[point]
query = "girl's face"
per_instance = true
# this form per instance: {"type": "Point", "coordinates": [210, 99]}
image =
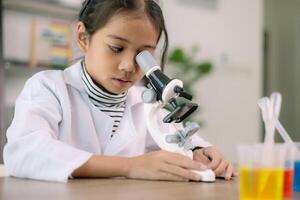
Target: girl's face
{"type": "Point", "coordinates": [110, 52]}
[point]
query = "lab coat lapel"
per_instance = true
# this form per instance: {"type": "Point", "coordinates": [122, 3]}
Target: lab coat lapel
{"type": "Point", "coordinates": [102, 123]}
{"type": "Point", "coordinates": [127, 131]}
{"type": "Point", "coordinates": [123, 136]}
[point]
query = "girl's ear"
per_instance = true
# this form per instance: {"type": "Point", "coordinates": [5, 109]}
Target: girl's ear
{"type": "Point", "coordinates": [82, 37]}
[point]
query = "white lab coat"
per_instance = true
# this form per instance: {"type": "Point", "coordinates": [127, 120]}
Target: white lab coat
{"type": "Point", "coordinates": [56, 128]}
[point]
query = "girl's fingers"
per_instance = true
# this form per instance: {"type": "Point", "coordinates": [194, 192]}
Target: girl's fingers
{"type": "Point", "coordinates": [229, 172]}
{"type": "Point", "coordinates": [215, 162]}
{"type": "Point", "coordinates": [179, 171]}
{"type": "Point", "coordinates": [221, 168]}
{"type": "Point", "coordinates": [200, 157]}
{"type": "Point", "coordinates": [184, 162]}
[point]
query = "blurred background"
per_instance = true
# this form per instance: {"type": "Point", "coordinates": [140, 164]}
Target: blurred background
{"type": "Point", "coordinates": [240, 49]}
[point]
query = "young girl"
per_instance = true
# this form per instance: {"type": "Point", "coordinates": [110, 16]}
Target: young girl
{"type": "Point", "coordinates": [87, 121]}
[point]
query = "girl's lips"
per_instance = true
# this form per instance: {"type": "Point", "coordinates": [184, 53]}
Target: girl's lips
{"type": "Point", "coordinates": [124, 80]}
{"type": "Point", "coordinates": [122, 83]}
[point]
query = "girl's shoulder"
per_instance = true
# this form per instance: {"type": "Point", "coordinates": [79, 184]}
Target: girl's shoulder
{"type": "Point", "coordinates": [47, 75]}
{"type": "Point", "coordinates": [47, 78]}
{"type": "Point", "coordinates": [70, 75]}
{"type": "Point", "coordinates": [42, 85]}
{"type": "Point", "coordinates": [53, 80]}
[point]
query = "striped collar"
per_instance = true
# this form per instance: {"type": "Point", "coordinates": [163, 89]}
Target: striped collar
{"type": "Point", "coordinates": [98, 95]}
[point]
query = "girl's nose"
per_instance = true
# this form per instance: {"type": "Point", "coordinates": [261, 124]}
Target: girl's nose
{"type": "Point", "coordinates": [128, 65]}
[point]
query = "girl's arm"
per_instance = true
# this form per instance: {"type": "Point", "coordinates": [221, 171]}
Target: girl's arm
{"type": "Point", "coordinates": [103, 166]}
{"type": "Point", "coordinates": [159, 165]}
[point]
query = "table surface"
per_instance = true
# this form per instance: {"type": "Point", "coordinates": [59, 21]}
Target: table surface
{"type": "Point", "coordinates": [14, 188]}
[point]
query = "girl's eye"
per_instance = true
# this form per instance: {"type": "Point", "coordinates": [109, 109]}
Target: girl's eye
{"type": "Point", "coordinates": [116, 49]}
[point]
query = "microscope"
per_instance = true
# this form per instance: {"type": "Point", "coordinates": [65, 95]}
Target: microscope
{"type": "Point", "coordinates": [161, 91]}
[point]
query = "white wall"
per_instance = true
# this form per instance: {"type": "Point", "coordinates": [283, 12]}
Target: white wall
{"type": "Point", "coordinates": [230, 35]}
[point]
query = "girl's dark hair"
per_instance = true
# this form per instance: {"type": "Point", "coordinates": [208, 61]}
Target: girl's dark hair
{"type": "Point", "coordinates": [94, 14]}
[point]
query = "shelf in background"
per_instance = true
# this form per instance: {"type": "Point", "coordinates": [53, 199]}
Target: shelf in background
{"type": "Point", "coordinates": [43, 8]}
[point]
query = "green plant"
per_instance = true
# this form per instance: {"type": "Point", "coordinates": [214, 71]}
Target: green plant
{"type": "Point", "coordinates": [188, 69]}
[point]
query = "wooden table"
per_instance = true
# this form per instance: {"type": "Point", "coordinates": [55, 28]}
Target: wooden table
{"type": "Point", "coordinates": [123, 189]}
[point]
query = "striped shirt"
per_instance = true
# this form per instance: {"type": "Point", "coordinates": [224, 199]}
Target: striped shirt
{"type": "Point", "coordinates": [111, 104]}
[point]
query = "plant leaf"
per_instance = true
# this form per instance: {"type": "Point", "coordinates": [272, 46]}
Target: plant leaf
{"type": "Point", "coordinates": [177, 56]}
{"type": "Point", "coordinates": [204, 68]}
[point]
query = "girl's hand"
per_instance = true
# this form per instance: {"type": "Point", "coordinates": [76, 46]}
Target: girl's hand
{"type": "Point", "coordinates": [213, 159]}
{"type": "Point", "coordinates": [163, 165]}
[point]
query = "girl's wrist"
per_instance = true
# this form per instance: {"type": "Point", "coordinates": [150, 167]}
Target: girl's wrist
{"type": "Point", "coordinates": [126, 167]}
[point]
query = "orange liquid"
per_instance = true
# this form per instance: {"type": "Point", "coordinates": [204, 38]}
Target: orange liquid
{"type": "Point", "coordinates": [261, 183]}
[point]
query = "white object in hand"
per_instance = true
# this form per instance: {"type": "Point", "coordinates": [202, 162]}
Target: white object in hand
{"type": "Point", "coordinates": [206, 175]}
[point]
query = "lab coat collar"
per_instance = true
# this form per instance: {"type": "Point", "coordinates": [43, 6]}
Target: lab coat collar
{"type": "Point", "coordinates": [72, 77]}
